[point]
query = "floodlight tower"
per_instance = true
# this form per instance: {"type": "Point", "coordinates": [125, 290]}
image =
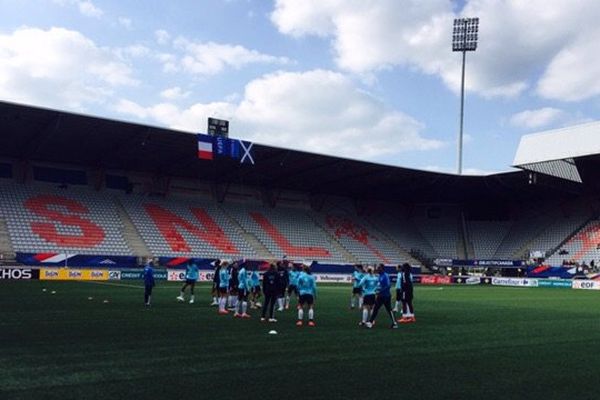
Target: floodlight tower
{"type": "Point", "coordinates": [464, 38]}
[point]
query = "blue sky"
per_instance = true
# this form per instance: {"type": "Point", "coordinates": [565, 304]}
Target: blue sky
{"type": "Point", "coordinates": [366, 79]}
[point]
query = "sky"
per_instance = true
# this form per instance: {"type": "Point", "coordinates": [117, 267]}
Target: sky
{"type": "Point", "coordinates": [371, 80]}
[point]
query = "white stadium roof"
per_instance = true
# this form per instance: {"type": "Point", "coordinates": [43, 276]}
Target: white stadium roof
{"type": "Point", "coordinates": [554, 152]}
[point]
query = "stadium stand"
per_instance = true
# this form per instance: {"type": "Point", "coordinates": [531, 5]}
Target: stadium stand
{"type": "Point", "coordinates": [403, 233]}
{"type": "Point", "coordinates": [366, 245]}
{"type": "Point", "coordinates": [6, 248]}
{"type": "Point", "coordinates": [285, 231]}
{"type": "Point", "coordinates": [442, 235]}
{"type": "Point", "coordinates": [46, 219]}
{"type": "Point", "coordinates": [486, 236]}
{"type": "Point", "coordinates": [180, 227]}
{"type": "Point", "coordinates": [561, 227]}
{"type": "Point", "coordinates": [121, 192]}
{"type": "Point", "coordinates": [583, 246]}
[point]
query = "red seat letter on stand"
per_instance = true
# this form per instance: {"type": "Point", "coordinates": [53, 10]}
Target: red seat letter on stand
{"type": "Point", "coordinates": [168, 224]}
{"type": "Point", "coordinates": [91, 234]}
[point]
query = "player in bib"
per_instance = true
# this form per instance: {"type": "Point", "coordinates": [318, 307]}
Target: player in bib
{"type": "Point", "coordinates": [224, 278]}
{"type": "Point", "coordinates": [191, 276]}
{"type": "Point", "coordinates": [292, 289]}
{"type": "Point", "coordinates": [244, 283]}
{"type": "Point", "coordinates": [368, 285]}
{"type": "Point", "coordinates": [357, 295]}
{"type": "Point", "coordinates": [307, 287]}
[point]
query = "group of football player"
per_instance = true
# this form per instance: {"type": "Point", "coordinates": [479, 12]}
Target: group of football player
{"type": "Point", "coordinates": [371, 292]}
{"type": "Point", "coordinates": [235, 287]}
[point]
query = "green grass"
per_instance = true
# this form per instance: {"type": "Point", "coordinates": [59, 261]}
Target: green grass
{"type": "Point", "coordinates": [468, 343]}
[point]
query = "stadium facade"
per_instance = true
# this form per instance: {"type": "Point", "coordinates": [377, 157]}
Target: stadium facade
{"type": "Point", "coordinates": [79, 185]}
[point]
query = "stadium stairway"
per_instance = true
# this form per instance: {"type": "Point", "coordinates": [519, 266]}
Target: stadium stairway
{"type": "Point", "coordinates": [334, 242]}
{"type": "Point", "coordinates": [580, 228]}
{"type": "Point", "coordinates": [462, 238]}
{"type": "Point", "coordinates": [6, 249]}
{"type": "Point", "coordinates": [130, 232]}
{"type": "Point", "coordinates": [465, 247]}
{"type": "Point", "coordinates": [522, 252]}
{"type": "Point", "coordinates": [259, 248]}
{"type": "Point", "coordinates": [554, 227]}
{"type": "Point", "coordinates": [403, 253]}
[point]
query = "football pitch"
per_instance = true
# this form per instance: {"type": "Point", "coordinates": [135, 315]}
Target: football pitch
{"type": "Point", "coordinates": [468, 343]}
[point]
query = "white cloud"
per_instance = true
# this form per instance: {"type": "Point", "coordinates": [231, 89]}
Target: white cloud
{"type": "Point", "coordinates": [133, 51]}
{"type": "Point", "coordinates": [174, 93]}
{"type": "Point", "coordinates": [209, 58]}
{"type": "Point", "coordinates": [319, 111]}
{"type": "Point", "coordinates": [518, 39]}
{"type": "Point", "coordinates": [162, 36]}
{"type": "Point", "coordinates": [129, 107]}
{"type": "Point", "coordinates": [574, 73]}
{"type": "Point", "coordinates": [125, 22]}
{"type": "Point", "coordinates": [168, 61]}
{"type": "Point", "coordinates": [535, 119]}
{"type": "Point", "coordinates": [58, 68]}
{"type": "Point", "coordinates": [85, 7]}
{"type": "Point", "coordinates": [88, 9]}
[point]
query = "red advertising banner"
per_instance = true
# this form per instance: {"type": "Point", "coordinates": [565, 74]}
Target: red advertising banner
{"type": "Point", "coordinates": [435, 280]}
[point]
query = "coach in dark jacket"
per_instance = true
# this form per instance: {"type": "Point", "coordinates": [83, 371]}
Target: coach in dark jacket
{"type": "Point", "coordinates": [271, 287]}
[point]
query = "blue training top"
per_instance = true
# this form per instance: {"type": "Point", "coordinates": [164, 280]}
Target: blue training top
{"type": "Point", "coordinates": [307, 284]}
{"type": "Point", "coordinates": [243, 281]}
{"type": "Point", "coordinates": [294, 275]}
{"type": "Point", "coordinates": [191, 272]}
{"type": "Point", "coordinates": [255, 278]}
{"type": "Point", "coordinates": [224, 278]}
{"type": "Point", "coordinates": [383, 288]}
{"type": "Point", "coordinates": [368, 283]}
{"type": "Point", "coordinates": [148, 276]}
{"type": "Point", "coordinates": [356, 278]}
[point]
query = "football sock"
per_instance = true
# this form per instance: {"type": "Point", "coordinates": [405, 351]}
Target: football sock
{"type": "Point", "coordinates": [311, 314]}
{"type": "Point", "coordinates": [392, 317]}
{"type": "Point", "coordinates": [300, 314]}
{"type": "Point", "coordinates": [352, 301]}
{"type": "Point", "coordinates": [244, 307]}
{"type": "Point", "coordinates": [360, 301]}
{"type": "Point", "coordinates": [365, 315]}
{"type": "Point", "coordinates": [192, 298]}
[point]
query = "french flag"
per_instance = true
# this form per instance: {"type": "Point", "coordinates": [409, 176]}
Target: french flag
{"type": "Point", "coordinates": [205, 147]}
